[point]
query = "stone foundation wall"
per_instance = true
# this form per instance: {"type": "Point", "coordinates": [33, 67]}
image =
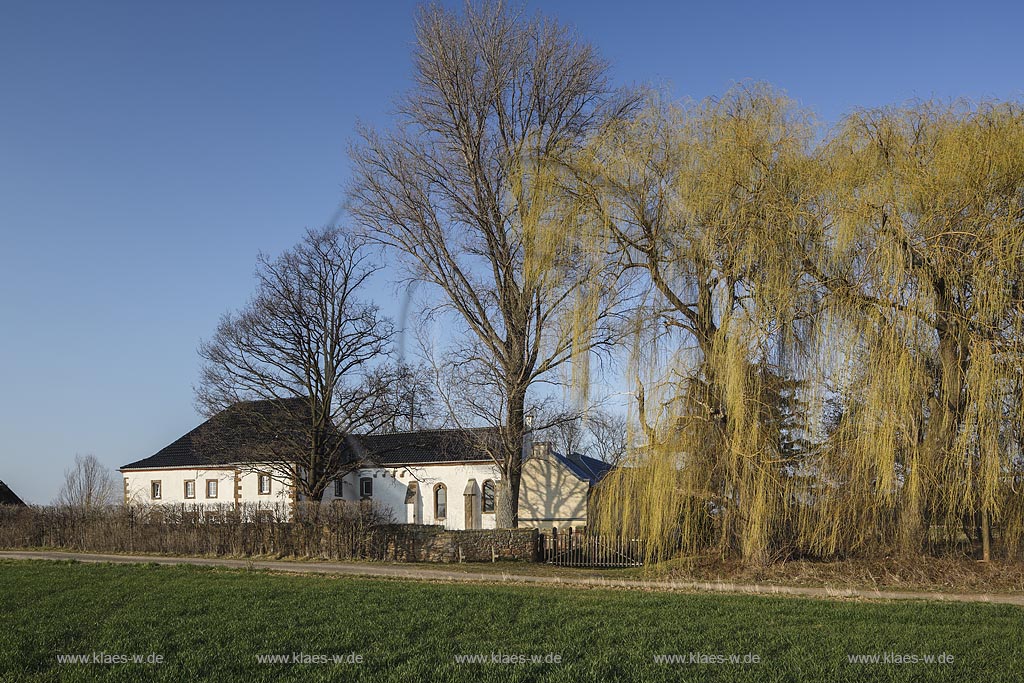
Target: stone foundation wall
{"type": "Point", "coordinates": [420, 543]}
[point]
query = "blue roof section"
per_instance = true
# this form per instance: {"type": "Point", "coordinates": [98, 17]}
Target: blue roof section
{"type": "Point", "coordinates": [588, 469]}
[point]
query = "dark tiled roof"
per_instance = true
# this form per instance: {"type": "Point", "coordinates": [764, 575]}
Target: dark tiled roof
{"type": "Point", "coordinates": [243, 431]}
{"type": "Point", "coordinates": [8, 497]}
{"type": "Point", "coordinates": [430, 446]}
{"type": "Point", "coordinates": [584, 467]}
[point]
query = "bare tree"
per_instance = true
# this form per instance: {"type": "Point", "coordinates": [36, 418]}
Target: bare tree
{"type": "Point", "coordinates": [570, 436]}
{"type": "Point", "coordinates": [88, 485]}
{"type": "Point", "coordinates": [592, 431]}
{"type": "Point", "coordinates": [560, 424]}
{"type": "Point", "coordinates": [607, 436]}
{"type": "Point", "coordinates": [305, 356]}
{"type": "Point", "coordinates": [468, 190]}
{"type": "Point", "coordinates": [411, 398]}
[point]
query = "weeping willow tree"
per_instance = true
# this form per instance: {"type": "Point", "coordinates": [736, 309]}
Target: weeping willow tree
{"type": "Point", "coordinates": [829, 355]}
{"type": "Point", "coordinates": [922, 257]}
{"type": "Point", "coordinates": [709, 201]}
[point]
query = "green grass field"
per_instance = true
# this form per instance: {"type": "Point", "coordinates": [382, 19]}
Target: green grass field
{"type": "Point", "coordinates": [213, 624]}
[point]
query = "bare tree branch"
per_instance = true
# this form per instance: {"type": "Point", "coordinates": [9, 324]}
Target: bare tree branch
{"type": "Point", "coordinates": [308, 345]}
{"type": "Point", "coordinates": [467, 188]}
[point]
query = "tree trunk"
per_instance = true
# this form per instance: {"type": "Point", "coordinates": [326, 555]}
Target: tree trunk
{"type": "Point", "coordinates": [946, 409]}
{"type": "Point", "coordinates": [911, 531]}
{"type": "Point", "coordinates": [986, 553]}
{"type": "Point", "coordinates": [506, 513]}
{"type": "Point", "coordinates": [507, 500]}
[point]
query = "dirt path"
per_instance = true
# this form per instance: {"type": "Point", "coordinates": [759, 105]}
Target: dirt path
{"type": "Point", "coordinates": [422, 574]}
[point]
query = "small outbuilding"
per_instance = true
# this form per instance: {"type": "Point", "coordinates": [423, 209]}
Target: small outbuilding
{"type": "Point", "coordinates": [556, 489]}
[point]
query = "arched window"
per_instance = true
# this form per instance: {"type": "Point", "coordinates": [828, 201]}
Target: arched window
{"type": "Point", "coordinates": [487, 504]}
{"type": "Point", "coordinates": [440, 501]}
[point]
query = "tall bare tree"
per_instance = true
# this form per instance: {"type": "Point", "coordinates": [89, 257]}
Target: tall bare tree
{"type": "Point", "coordinates": [466, 188]}
{"type": "Point", "coordinates": [88, 485]}
{"type": "Point", "coordinates": [607, 435]}
{"type": "Point", "coordinates": [309, 348]}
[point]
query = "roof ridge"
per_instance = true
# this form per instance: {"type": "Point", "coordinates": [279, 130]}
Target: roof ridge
{"type": "Point", "coordinates": [228, 430]}
{"type": "Point", "coordinates": [432, 431]}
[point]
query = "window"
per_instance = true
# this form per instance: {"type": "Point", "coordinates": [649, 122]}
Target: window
{"type": "Point", "coordinates": [487, 504]}
{"type": "Point", "coordinates": [440, 501]}
{"type": "Point", "coordinates": [365, 487]}
{"type": "Point", "coordinates": [264, 484]}
{"type": "Point", "coordinates": [154, 490]}
{"type": "Point", "coordinates": [190, 488]}
{"type": "Point", "coordinates": [211, 488]}
{"type": "Point", "coordinates": [337, 488]}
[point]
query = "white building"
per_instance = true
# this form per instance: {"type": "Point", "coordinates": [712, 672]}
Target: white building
{"type": "Point", "coordinates": [442, 477]}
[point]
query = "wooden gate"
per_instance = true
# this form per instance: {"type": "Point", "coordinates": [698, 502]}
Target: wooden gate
{"type": "Point", "coordinates": [568, 548]}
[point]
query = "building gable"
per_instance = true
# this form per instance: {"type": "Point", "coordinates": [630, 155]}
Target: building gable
{"type": "Point", "coordinates": [8, 497]}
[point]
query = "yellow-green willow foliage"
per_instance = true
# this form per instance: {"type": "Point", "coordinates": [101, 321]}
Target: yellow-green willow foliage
{"type": "Point", "coordinates": [710, 202]}
{"type": "Point", "coordinates": [923, 257]}
{"type": "Point", "coordinates": [828, 359]}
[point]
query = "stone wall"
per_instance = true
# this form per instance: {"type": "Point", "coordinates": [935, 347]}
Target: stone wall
{"type": "Point", "coordinates": [422, 543]}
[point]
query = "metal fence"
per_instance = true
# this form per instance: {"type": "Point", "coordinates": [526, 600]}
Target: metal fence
{"type": "Point", "coordinates": [569, 548]}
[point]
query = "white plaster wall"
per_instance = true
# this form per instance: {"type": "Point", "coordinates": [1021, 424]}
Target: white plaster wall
{"type": "Point", "coordinates": [390, 486]}
{"type": "Point", "coordinates": [389, 489]}
{"type": "Point", "coordinates": [280, 492]}
{"type": "Point", "coordinates": [551, 495]}
{"type": "Point", "coordinates": [173, 487]}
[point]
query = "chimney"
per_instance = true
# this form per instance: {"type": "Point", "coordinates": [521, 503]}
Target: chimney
{"type": "Point", "coordinates": [527, 437]}
{"type": "Point", "coordinates": [541, 448]}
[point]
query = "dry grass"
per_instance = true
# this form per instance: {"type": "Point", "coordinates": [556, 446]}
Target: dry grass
{"type": "Point", "coordinates": [926, 573]}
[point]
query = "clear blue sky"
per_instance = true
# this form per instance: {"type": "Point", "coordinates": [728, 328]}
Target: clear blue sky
{"type": "Point", "coordinates": [148, 151]}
